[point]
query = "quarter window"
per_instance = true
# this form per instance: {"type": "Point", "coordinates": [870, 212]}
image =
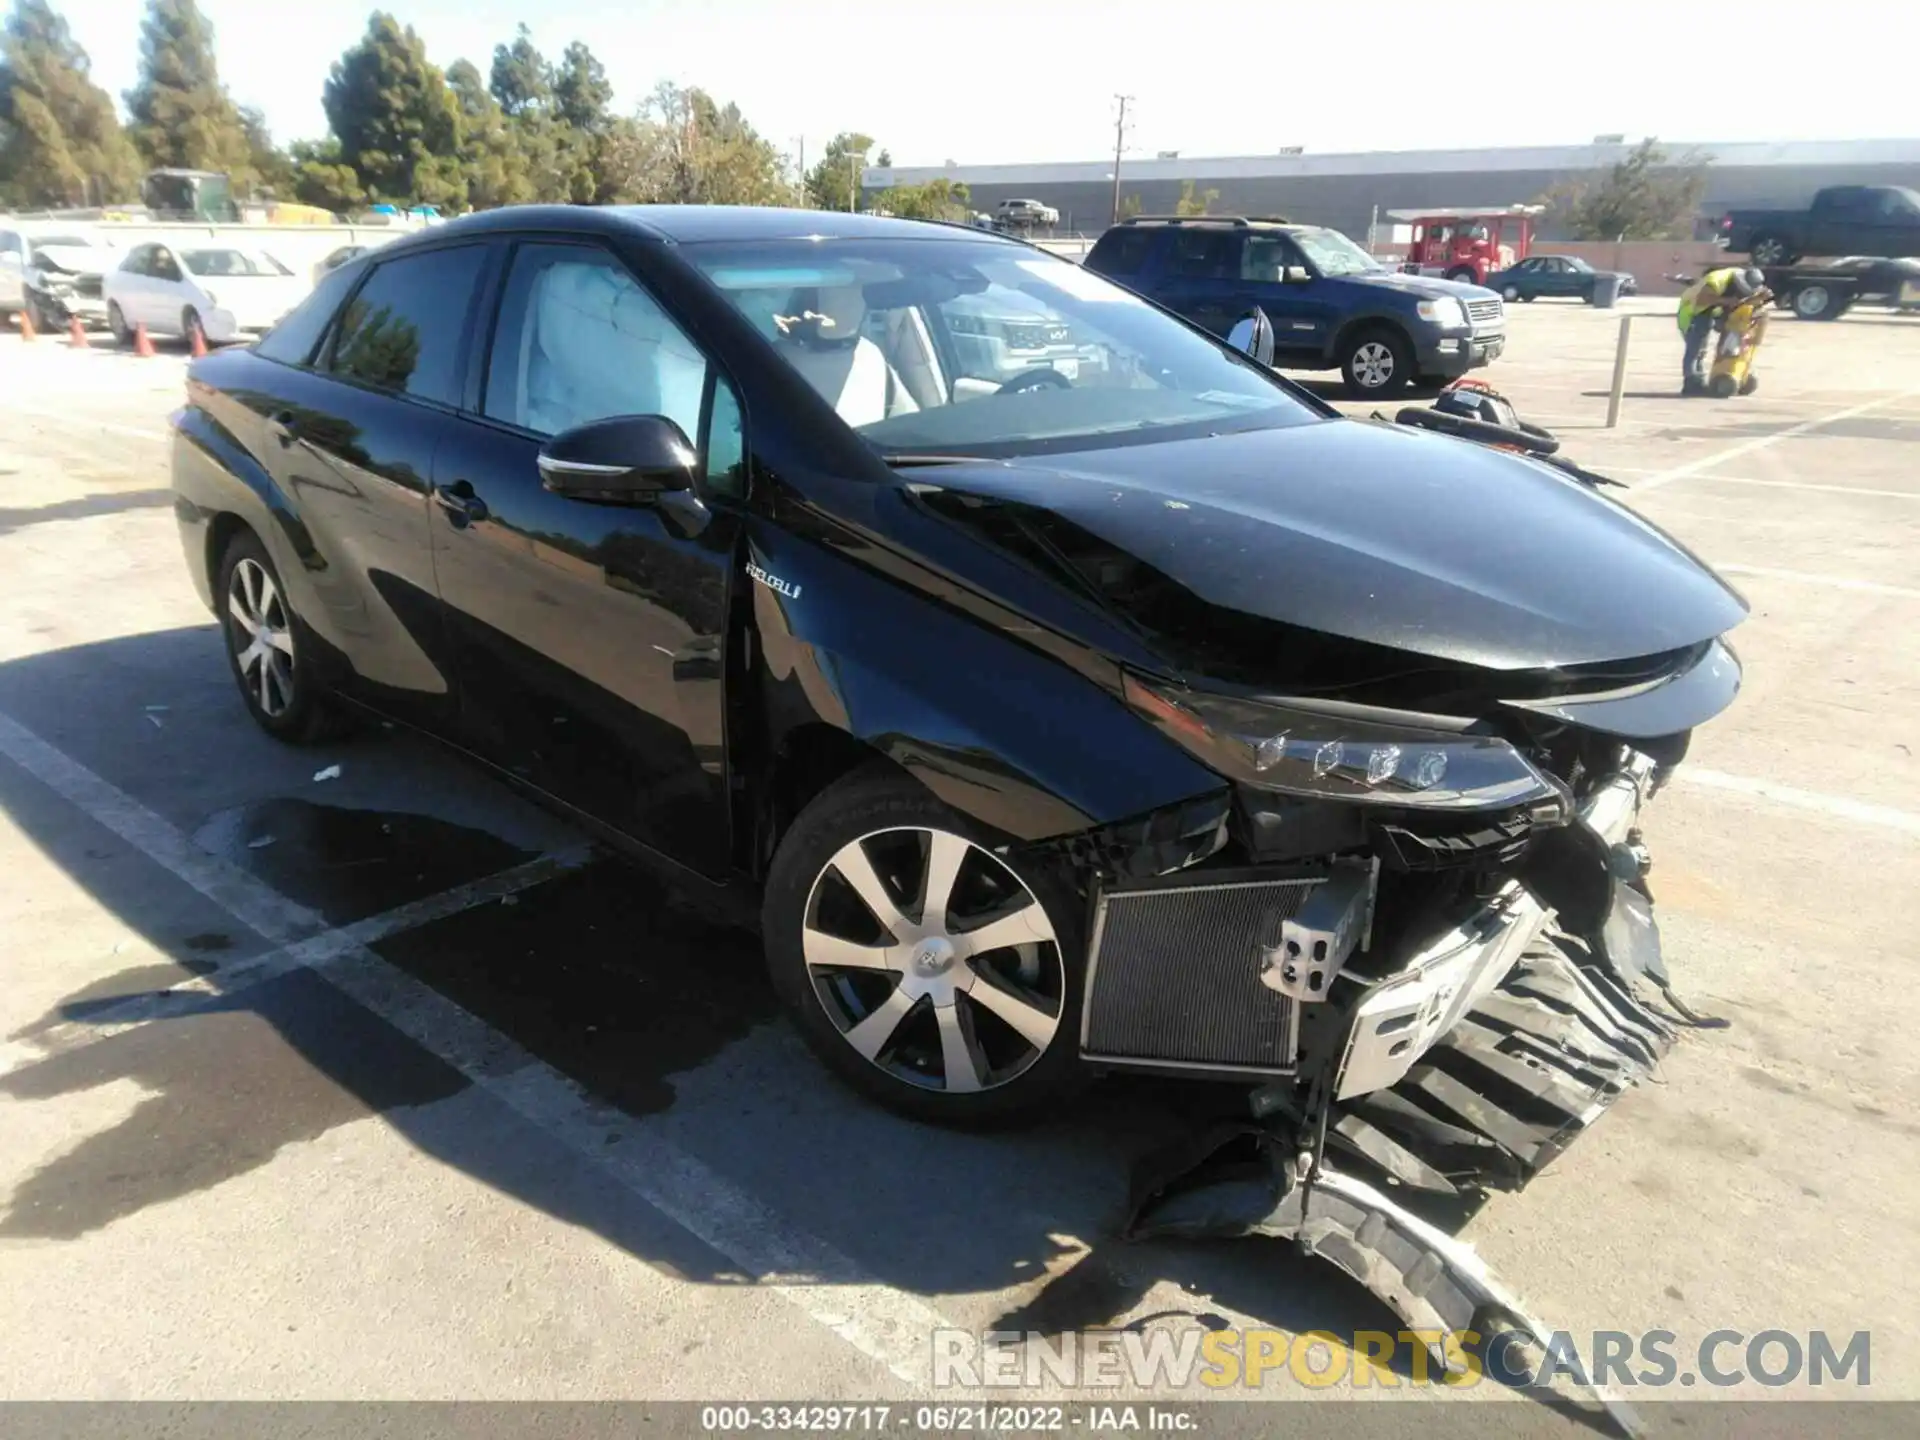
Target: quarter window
{"type": "Point", "coordinates": [402, 330]}
{"type": "Point", "coordinates": [579, 340]}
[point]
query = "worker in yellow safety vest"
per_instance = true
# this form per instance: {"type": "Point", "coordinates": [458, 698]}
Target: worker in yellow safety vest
{"type": "Point", "coordinates": [1702, 305]}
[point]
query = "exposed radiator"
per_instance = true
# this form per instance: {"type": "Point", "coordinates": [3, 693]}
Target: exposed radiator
{"type": "Point", "coordinates": [1173, 976]}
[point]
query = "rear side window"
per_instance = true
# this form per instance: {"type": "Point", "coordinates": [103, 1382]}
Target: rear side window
{"type": "Point", "coordinates": [1204, 255]}
{"type": "Point", "coordinates": [403, 328]}
{"type": "Point", "coordinates": [1121, 252]}
{"type": "Point", "coordinates": [297, 336]}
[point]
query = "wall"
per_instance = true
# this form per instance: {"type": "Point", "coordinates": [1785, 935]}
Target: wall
{"type": "Point", "coordinates": [1648, 261]}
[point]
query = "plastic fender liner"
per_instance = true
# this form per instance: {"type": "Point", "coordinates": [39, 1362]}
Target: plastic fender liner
{"type": "Point", "coordinates": [1249, 1183]}
{"type": "Point", "coordinates": [1015, 739]}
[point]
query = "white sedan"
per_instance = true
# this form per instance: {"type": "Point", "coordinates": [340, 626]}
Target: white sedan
{"type": "Point", "coordinates": [223, 290]}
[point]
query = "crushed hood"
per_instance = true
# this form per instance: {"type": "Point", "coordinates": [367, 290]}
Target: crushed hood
{"type": "Point", "coordinates": [1388, 536]}
{"type": "Point", "coordinates": [79, 259]}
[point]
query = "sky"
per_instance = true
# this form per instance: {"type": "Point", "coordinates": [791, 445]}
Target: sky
{"type": "Point", "coordinates": [1008, 81]}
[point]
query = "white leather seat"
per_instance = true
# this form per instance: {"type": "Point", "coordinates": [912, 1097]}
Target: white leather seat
{"type": "Point", "coordinates": [822, 336]}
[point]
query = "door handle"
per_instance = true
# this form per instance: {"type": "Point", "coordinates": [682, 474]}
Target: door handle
{"type": "Point", "coordinates": [463, 507]}
{"type": "Point", "coordinates": [280, 427]}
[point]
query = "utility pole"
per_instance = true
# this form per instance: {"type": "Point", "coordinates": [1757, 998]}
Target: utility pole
{"type": "Point", "coordinates": [1119, 145]}
{"type": "Point", "coordinates": [853, 183]}
{"type": "Point", "coordinates": [803, 172]}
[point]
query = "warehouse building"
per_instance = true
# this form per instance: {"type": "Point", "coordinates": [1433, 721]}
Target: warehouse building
{"type": "Point", "coordinates": [1348, 192]}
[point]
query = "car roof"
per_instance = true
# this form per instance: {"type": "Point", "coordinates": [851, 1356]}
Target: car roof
{"type": "Point", "coordinates": [692, 224]}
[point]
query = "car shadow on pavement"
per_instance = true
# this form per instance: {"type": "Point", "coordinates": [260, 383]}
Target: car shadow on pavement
{"type": "Point", "coordinates": [609, 976]}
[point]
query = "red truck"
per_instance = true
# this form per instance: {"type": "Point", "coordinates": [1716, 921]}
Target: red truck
{"type": "Point", "coordinates": [1468, 244]}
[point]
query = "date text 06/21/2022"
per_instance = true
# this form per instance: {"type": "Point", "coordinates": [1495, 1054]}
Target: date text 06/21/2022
{"type": "Point", "coordinates": [942, 1419]}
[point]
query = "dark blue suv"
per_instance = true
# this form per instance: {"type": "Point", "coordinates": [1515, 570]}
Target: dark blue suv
{"type": "Point", "coordinates": [1333, 306]}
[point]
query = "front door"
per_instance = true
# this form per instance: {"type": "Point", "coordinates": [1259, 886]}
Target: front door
{"type": "Point", "coordinates": [1302, 310]}
{"type": "Point", "coordinates": [589, 639]}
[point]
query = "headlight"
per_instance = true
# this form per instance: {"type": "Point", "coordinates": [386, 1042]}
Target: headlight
{"type": "Point", "coordinates": [1445, 312]}
{"type": "Point", "coordinates": [1350, 755]}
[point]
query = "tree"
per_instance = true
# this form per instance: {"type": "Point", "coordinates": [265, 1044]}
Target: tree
{"type": "Point", "coordinates": [522, 80]}
{"type": "Point", "coordinates": [1646, 196]}
{"type": "Point", "coordinates": [581, 91]}
{"type": "Point", "coordinates": [490, 153]}
{"type": "Point", "coordinates": [684, 147]}
{"type": "Point", "coordinates": [1192, 202]}
{"type": "Point", "coordinates": [1129, 205]}
{"type": "Point", "coordinates": [884, 159]}
{"type": "Point", "coordinates": [939, 199]}
{"type": "Point", "coordinates": [181, 113]}
{"type": "Point", "coordinates": [396, 121]}
{"type": "Point", "coordinates": [60, 141]}
{"type": "Point", "coordinates": [832, 184]}
{"type": "Point", "coordinates": [322, 177]}
{"type": "Point", "coordinates": [271, 166]}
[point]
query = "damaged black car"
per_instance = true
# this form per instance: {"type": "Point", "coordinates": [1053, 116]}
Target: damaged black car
{"type": "Point", "coordinates": [1070, 692]}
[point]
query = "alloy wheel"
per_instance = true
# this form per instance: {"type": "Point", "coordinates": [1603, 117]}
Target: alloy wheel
{"type": "Point", "coordinates": [1373, 364]}
{"type": "Point", "coordinates": [261, 632]}
{"type": "Point", "coordinates": [933, 959]}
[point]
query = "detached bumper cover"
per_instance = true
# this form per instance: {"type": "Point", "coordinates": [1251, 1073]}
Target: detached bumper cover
{"type": "Point", "coordinates": [1406, 1014]}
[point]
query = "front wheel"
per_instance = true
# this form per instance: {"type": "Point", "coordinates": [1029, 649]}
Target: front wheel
{"type": "Point", "coordinates": [933, 975]}
{"type": "Point", "coordinates": [1814, 302]}
{"type": "Point", "coordinates": [1464, 276]}
{"type": "Point", "coordinates": [1510, 293]}
{"type": "Point", "coordinates": [117, 323]}
{"type": "Point", "coordinates": [192, 331]}
{"type": "Point", "coordinates": [1377, 363]}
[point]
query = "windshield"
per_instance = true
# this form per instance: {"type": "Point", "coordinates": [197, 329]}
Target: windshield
{"type": "Point", "coordinates": [981, 348]}
{"type": "Point", "coordinates": [1575, 262]}
{"type": "Point", "coordinates": [232, 262]}
{"type": "Point", "coordinates": [1334, 254]}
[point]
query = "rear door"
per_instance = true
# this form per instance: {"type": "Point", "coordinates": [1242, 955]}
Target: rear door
{"type": "Point", "coordinates": [589, 638]}
{"type": "Point", "coordinates": [1202, 277]}
{"type": "Point", "coordinates": [351, 441]}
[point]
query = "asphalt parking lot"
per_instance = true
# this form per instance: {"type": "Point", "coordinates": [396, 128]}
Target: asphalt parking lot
{"type": "Point", "coordinates": [346, 1073]}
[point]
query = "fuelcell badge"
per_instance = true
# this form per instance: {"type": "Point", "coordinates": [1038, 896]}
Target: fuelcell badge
{"type": "Point", "coordinates": [773, 582]}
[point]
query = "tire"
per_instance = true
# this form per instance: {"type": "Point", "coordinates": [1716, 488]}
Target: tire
{"type": "Point", "coordinates": [1510, 293]}
{"type": "Point", "coordinates": [899, 1016]}
{"type": "Point", "coordinates": [117, 323]}
{"type": "Point", "coordinates": [1750, 384]}
{"type": "Point", "coordinates": [1723, 387]}
{"type": "Point", "coordinates": [1528, 298]}
{"type": "Point", "coordinates": [1376, 362]}
{"type": "Point", "coordinates": [1771, 250]}
{"type": "Point", "coordinates": [1814, 302]}
{"type": "Point", "coordinates": [190, 322]}
{"type": "Point", "coordinates": [293, 706]}
{"type": "Point", "coordinates": [1463, 275]}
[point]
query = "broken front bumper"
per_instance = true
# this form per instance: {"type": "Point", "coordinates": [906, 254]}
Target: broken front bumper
{"type": "Point", "coordinates": [1404, 1015]}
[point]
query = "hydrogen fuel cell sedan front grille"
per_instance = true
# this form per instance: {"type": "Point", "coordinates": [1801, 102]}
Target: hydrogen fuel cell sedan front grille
{"type": "Point", "coordinates": [1173, 976]}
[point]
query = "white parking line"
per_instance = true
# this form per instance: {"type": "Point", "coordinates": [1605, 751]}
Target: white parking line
{"type": "Point", "coordinates": [1761, 442]}
{"type": "Point", "coordinates": [1833, 582]}
{"type": "Point", "coordinates": [1810, 485]}
{"type": "Point", "coordinates": [1882, 816]}
{"type": "Point", "coordinates": [886, 1324]}
{"type": "Point", "coordinates": [182, 998]}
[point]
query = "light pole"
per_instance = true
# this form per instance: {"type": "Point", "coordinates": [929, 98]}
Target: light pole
{"type": "Point", "coordinates": [1119, 144]}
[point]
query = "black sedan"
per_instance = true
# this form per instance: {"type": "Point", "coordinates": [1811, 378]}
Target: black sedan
{"type": "Point", "coordinates": [1134, 712]}
{"type": "Point", "coordinates": [1566, 277]}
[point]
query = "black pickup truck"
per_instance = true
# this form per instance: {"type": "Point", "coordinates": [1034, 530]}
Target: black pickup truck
{"type": "Point", "coordinates": [1874, 220]}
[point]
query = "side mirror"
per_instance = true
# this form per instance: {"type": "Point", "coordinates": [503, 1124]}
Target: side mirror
{"type": "Point", "coordinates": [625, 460]}
{"type": "Point", "coordinates": [1252, 336]}
{"type": "Point", "coordinates": [1295, 275]}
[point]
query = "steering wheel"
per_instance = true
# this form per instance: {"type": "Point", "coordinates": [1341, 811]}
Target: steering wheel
{"type": "Point", "coordinates": [1041, 377]}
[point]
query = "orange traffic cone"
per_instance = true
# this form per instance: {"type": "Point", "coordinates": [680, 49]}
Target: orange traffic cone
{"type": "Point", "coordinates": [27, 332]}
{"type": "Point", "coordinates": [77, 334]}
{"type": "Point", "coordinates": [196, 341]}
{"type": "Point", "coordinates": [142, 346]}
